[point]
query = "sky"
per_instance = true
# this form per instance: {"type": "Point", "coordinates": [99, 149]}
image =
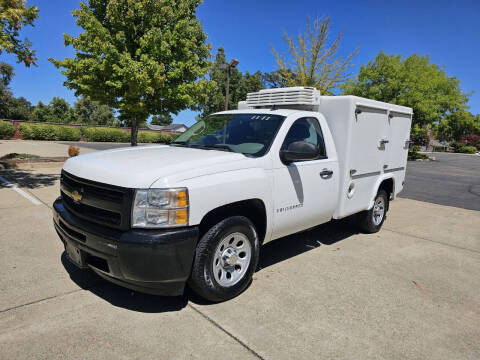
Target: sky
{"type": "Point", "coordinates": [447, 31]}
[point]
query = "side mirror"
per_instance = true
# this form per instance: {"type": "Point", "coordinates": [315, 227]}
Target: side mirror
{"type": "Point", "coordinates": [299, 151]}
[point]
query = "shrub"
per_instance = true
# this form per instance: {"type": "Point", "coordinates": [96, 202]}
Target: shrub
{"type": "Point", "coordinates": [152, 137]}
{"type": "Point", "coordinates": [471, 140]}
{"type": "Point", "coordinates": [6, 130]}
{"type": "Point", "coordinates": [468, 150]}
{"type": "Point", "coordinates": [38, 131]}
{"type": "Point", "coordinates": [49, 132]}
{"type": "Point", "coordinates": [73, 151]}
{"type": "Point", "coordinates": [460, 147]}
{"type": "Point", "coordinates": [105, 134]}
{"type": "Point", "coordinates": [413, 153]}
{"type": "Point", "coordinates": [68, 133]}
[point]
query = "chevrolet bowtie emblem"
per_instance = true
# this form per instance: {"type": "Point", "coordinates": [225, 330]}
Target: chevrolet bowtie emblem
{"type": "Point", "coordinates": [76, 196]}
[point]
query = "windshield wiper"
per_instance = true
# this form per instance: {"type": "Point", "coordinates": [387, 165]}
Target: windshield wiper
{"type": "Point", "coordinates": [181, 143]}
{"type": "Point", "coordinates": [213, 146]}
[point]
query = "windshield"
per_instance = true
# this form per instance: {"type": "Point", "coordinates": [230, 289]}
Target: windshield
{"type": "Point", "coordinates": [249, 134]}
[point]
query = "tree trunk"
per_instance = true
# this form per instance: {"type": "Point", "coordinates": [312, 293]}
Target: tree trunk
{"type": "Point", "coordinates": [134, 132]}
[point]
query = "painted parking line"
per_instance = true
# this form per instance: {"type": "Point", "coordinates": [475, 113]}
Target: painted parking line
{"type": "Point", "coordinates": [26, 195]}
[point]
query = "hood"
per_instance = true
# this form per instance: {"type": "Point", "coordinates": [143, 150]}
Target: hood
{"type": "Point", "coordinates": [140, 167]}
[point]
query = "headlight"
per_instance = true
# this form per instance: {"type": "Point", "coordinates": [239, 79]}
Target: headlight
{"type": "Point", "coordinates": [156, 208]}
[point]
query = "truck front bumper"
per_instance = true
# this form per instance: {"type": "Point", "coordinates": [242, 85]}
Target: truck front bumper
{"type": "Point", "coordinates": [150, 261]}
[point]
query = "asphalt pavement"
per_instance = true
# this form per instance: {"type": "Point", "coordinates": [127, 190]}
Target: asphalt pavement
{"type": "Point", "coordinates": [452, 179]}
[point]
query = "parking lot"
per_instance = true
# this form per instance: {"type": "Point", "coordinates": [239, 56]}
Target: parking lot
{"type": "Point", "coordinates": [411, 291]}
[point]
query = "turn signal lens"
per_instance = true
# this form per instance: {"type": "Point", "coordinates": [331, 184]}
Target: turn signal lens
{"type": "Point", "coordinates": [182, 199]}
{"type": "Point", "coordinates": [181, 217]}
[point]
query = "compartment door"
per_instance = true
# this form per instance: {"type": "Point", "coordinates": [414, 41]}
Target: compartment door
{"type": "Point", "coordinates": [397, 148]}
{"type": "Point", "coordinates": [369, 142]}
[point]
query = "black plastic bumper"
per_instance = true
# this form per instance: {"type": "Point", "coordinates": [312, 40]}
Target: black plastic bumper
{"type": "Point", "coordinates": [151, 261]}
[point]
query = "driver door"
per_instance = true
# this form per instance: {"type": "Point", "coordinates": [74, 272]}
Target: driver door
{"type": "Point", "coordinates": [304, 192]}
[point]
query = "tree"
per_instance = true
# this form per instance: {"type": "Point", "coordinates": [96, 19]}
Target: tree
{"type": "Point", "coordinates": [87, 111]}
{"type": "Point", "coordinates": [215, 91]}
{"type": "Point", "coordinates": [11, 107]}
{"type": "Point", "coordinates": [455, 125]}
{"type": "Point", "coordinates": [21, 109]}
{"type": "Point", "coordinates": [14, 15]}
{"type": "Point", "coordinates": [141, 57]}
{"type": "Point", "coordinates": [414, 82]}
{"type": "Point", "coordinates": [41, 112]}
{"type": "Point", "coordinates": [6, 75]}
{"type": "Point", "coordinates": [313, 61]}
{"type": "Point", "coordinates": [162, 120]}
{"type": "Point", "coordinates": [419, 136]}
{"type": "Point", "coordinates": [274, 79]}
{"type": "Point", "coordinates": [60, 110]}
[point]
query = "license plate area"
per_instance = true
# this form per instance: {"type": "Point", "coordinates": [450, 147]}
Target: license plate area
{"type": "Point", "coordinates": [75, 255]}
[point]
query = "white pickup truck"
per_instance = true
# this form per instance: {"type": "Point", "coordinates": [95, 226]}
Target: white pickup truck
{"type": "Point", "coordinates": [197, 211]}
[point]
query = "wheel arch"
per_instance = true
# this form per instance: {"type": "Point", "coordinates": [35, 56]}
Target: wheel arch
{"type": "Point", "coordinates": [386, 183]}
{"type": "Point", "coordinates": [253, 209]}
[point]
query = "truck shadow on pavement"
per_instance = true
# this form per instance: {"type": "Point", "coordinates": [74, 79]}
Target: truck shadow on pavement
{"type": "Point", "coordinates": [271, 253]}
{"type": "Point", "coordinates": [29, 179]}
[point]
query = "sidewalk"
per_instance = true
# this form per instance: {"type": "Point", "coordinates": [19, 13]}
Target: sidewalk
{"type": "Point", "coordinates": [40, 148]}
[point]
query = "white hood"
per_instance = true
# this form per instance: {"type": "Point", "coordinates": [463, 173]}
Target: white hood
{"type": "Point", "coordinates": [140, 167]}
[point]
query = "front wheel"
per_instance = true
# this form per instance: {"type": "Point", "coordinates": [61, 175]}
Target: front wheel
{"type": "Point", "coordinates": [370, 221]}
{"type": "Point", "coordinates": [225, 259]}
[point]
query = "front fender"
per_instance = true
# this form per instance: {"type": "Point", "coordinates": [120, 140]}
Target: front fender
{"type": "Point", "coordinates": [211, 191]}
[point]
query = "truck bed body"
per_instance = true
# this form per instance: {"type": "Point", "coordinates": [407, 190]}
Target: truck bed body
{"type": "Point", "coordinates": [371, 138]}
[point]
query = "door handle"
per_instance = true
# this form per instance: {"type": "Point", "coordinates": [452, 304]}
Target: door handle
{"type": "Point", "coordinates": [384, 141]}
{"type": "Point", "coordinates": [325, 173]}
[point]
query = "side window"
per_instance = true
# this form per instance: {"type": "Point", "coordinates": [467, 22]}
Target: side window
{"type": "Point", "coordinates": [306, 129]}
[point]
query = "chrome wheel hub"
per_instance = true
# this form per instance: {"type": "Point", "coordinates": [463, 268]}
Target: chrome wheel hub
{"type": "Point", "coordinates": [232, 259]}
{"type": "Point", "coordinates": [378, 211]}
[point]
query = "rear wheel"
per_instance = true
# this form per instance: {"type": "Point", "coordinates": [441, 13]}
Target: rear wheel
{"type": "Point", "coordinates": [370, 221]}
{"type": "Point", "coordinates": [225, 259]}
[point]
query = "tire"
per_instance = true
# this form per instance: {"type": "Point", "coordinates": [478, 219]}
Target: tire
{"type": "Point", "coordinates": [369, 221]}
{"type": "Point", "coordinates": [219, 253]}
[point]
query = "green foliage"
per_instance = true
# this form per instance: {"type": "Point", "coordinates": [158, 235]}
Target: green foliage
{"type": "Point", "coordinates": [468, 150]}
{"type": "Point", "coordinates": [412, 82]}
{"type": "Point", "coordinates": [49, 132]}
{"type": "Point", "coordinates": [240, 84]}
{"type": "Point", "coordinates": [141, 57]}
{"type": "Point", "coordinates": [419, 136]}
{"type": "Point", "coordinates": [68, 133]}
{"type": "Point", "coordinates": [162, 119]}
{"type": "Point", "coordinates": [413, 153]}
{"type": "Point", "coordinates": [14, 15]}
{"type": "Point", "coordinates": [60, 111]}
{"type": "Point", "coordinates": [41, 113]}
{"type": "Point", "coordinates": [151, 137]}
{"type": "Point", "coordinates": [275, 79]}
{"type": "Point", "coordinates": [454, 126]}
{"type": "Point", "coordinates": [105, 134]}
{"type": "Point", "coordinates": [11, 107]}
{"type": "Point", "coordinates": [313, 61]}
{"type": "Point", "coordinates": [461, 147]}
{"type": "Point", "coordinates": [20, 109]}
{"type": "Point", "coordinates": [37, 131]}
{"type": "Point", "coordinates": [6, 74]}
{"type": "Point", "coordinates": [91, 112]}
{"type": "Point", "coordinates": [6, 130]}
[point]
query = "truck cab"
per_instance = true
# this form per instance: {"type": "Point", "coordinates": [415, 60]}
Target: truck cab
{"type": "Point", "coordinates": [198, 210]}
